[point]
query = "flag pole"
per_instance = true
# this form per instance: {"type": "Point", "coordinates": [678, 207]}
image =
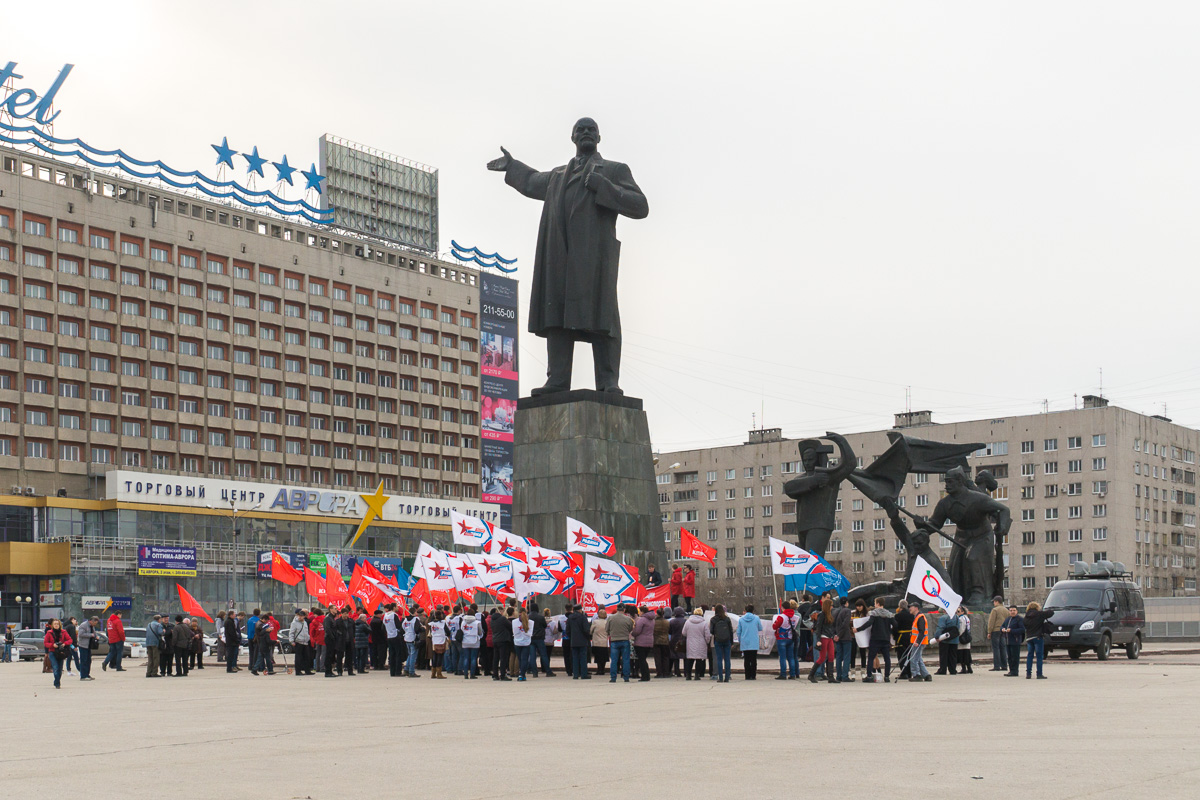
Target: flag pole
{"type": "Point", "coordinates": [775, 585]}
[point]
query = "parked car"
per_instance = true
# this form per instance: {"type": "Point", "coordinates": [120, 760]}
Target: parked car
{"type": "Point", "coordinates": [135, 636]}
{"type": "Point", "coordinates": [1097, 607]}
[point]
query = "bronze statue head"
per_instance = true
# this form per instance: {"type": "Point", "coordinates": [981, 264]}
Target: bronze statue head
{"type": "Point", "coordinates": [956, 481]}
{"type": "Point", "coordinates": [814, 454]}
{"type": "Point", "coordinates": [586, 135]}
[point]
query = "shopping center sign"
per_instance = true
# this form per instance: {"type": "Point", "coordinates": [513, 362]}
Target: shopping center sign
{"type": "Point", "coordinates": [234, 495]}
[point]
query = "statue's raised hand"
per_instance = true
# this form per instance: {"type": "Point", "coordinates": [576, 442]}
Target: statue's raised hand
{"type": "Point", "coordinates": [500, 164]}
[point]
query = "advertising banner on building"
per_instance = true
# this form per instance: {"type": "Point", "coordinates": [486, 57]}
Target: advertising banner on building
{"type": "Point", "coordinates": [176, 562]}
{"type": "Point", "coordinates": [498, 327]}
{"type": "Point", "coordinates": [97, 604]}
{"type": "Point", "coordinates": [231, 495]}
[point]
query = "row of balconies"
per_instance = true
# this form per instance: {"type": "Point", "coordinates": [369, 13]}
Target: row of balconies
{"type": "Point", "coordinates": [224, 281]}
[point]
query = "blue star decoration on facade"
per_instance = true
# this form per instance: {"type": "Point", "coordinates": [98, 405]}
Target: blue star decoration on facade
{"type": "Point", "coordinates": [311, 179]}
{"type": "Point", "coordinates": [254, 162]}
{"type": "Point", "coordinates": [224, 151]}
{"type": "Point", "coordinates": [285, 171]}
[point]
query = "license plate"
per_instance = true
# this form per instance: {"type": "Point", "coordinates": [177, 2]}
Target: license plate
{"type": "Point", "coordinates": [1061, 633]}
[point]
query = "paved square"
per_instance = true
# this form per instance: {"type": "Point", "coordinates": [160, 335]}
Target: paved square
{"type": "Point", "coordinates": [1121, 729]}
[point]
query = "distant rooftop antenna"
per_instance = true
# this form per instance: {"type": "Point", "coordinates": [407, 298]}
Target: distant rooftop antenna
{"type": "Point", "coordinates": [1046, 406]}
{"type": "Point", "coordinates": [1102, 381]}
{"type": "Point", "coordinates": [907, 399]}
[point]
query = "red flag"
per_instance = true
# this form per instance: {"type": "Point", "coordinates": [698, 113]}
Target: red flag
{"type": "Point", "coordinates": [190, 605]}
{"type": "Point", "coordinates": [335, 588]}
{"type": "Point", "coordinates": [315, 586]}
{"type": "Point", "coordinates": [356, 581]}
{"type": "Point", "coordinates": [282, 571]}
{"type": "Point", "coordinates": [371, 571]}
{"type": "Point", "coordinates": [691, 547]}
{"type": "Point", "coordinates": [420, 595]}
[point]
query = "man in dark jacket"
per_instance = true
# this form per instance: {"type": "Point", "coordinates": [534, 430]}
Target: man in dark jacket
{"type": "Point", "coordinates": [843, 640]}
{"type": "Point", "coordinates": [539, 644]}
{"type": "Point", "coordinates": [502, 639]}
{"type": "Point", "coordinates": [882, 627]}
{"type": "Point", "coordinates": [580, 633]}
{"type": "Point", "coordinates": [181, 643]}
{"type": "Point", "coordinates": [378, 640]}
{"type": "Point", "coordinates": [333, 643]}
{"type": "Point", "coordinates": [233, 641]}
{"type": "Point", "coordinates": [904, 620]}
{"type": "Point", "coordinates": [262, 645]}
{"type": "Point", "coordinates": [346, 640]}
{"type": "Point", "coordinates": [1013, 631]}
{"type": "Point", "coordinates": [1035, 645]}
{"type": "Point", "coordinates": [678, 618]}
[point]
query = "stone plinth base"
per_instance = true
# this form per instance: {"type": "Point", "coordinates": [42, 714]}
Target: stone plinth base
{"type": "Point", "coordinates": [587, 455]}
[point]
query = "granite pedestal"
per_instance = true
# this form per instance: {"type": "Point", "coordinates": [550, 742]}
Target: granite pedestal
{"type": "Point", "coordinates": [587, 455]}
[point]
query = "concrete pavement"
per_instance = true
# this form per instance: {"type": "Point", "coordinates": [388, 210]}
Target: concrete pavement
{"type": "Point", "coordinates": [1093, 730]}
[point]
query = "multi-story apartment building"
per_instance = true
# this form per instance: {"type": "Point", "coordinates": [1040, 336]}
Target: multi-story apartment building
{"type": "Point", "coordinates": [1099, 482]}
{"type": "Point", "coordinates": [158, 332]}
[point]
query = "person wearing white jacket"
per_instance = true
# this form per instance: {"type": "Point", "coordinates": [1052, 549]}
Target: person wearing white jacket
{"type": "Point", "coordinates": [301, 643]}
{"type": "Point", "coordinates": [696, 638]}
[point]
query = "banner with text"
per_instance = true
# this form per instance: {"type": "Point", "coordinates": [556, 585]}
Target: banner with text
{"type": "Point", "coordinates": [498, 396]}
{"type": "Point", "coordinates": [167, 561]}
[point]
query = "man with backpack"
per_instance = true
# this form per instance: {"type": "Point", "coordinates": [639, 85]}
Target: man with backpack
{"type": "Point", "coordinates": [785, 625]}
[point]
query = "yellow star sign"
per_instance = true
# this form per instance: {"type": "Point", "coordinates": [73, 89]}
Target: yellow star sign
{"type": "Point", "coordinates": [375, 503]}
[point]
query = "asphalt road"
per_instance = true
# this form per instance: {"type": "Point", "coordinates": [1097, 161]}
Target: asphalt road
{"type": "Point", "coordinates": [1118, 729]}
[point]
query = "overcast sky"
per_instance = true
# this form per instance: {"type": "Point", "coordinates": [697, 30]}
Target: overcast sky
{"type": "Point", "coordinates": [988, 203]}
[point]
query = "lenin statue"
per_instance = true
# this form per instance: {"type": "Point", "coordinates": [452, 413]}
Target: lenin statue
{"type": "Point", "coordinates": [574, 295]}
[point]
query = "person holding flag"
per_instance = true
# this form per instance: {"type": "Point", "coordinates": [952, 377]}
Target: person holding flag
{"type": "Point", "coordinates": [916, 649]}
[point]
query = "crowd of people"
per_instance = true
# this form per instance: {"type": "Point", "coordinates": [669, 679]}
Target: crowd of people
{"type": "Point", "coordinates": [516, 642]}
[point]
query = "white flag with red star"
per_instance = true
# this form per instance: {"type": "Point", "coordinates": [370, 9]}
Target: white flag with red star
{"type": "Point", "coordinates": [434, 567]}
{"type": "Point", "coordinates": [582, 539]}
{"type": "Point", "coordinates": [790, 559]}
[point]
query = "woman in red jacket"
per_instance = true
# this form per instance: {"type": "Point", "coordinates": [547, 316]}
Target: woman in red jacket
{"type": "Point", "coordinates": [676, 586]}
{"type": "Point", "coordinates": [689, 587]}
{"type": "Point", "coordinates": [316, 637]}
{"type": "Point", "coordinates": [58, 647]}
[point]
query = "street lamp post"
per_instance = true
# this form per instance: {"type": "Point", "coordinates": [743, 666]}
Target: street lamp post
{"type": "Point", "coordinates": [21, 603]}
{"type": "Point", "coordinates": [234, 513]}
